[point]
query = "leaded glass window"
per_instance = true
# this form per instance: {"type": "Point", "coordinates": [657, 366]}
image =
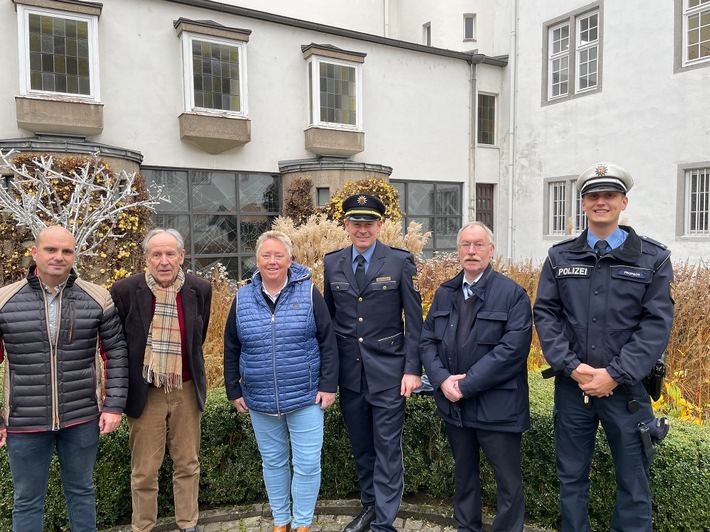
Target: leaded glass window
{"type": "Point", "coordinates": [60, 51]}
{"type": "Point", "coordinates": [335, 93]}
{"type": "Point", "coordinates": [219, 213]}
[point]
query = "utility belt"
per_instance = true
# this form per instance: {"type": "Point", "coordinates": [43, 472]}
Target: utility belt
{"type": "Point", "coordinates": [653, 382]}
{"type": "Point", "coordinates": [651, 434]}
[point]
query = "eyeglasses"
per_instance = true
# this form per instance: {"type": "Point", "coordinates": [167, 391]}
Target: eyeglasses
{"type": "Point", "coordinates": [479, 246]}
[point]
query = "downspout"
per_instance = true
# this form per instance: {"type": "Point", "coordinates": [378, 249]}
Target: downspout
{"type": "Point", "coordinates": [386, 18]}
{"type": "Point", "coordinates": [476, 59]}
{"type": "Point", "coordinates": [513, 66]}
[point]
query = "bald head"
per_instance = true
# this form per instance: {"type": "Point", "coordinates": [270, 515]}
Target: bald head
{"type": "Point", "coordinates": [55, 231]}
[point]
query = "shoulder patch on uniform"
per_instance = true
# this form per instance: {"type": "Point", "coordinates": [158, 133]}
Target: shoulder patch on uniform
{"type": "Point", "coordinates": [415, 282]}
{"type": "Point", "coordinates": [565, 241]}
{"type": "Point", "coordinates": [654, 242]}
{"type": "Point", "coordinates": [334, 251]}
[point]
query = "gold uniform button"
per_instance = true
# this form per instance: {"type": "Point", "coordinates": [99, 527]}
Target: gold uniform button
{"type": "Point", "coordinates": [384, 287]}
{"type": "Point", "coordinates": [359, 299]}
{"type": "Point", "coordinates": [360, 340]}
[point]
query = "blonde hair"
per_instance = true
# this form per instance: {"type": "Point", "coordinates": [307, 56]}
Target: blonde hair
{"type": "Point", "coordinates": [275, 235]}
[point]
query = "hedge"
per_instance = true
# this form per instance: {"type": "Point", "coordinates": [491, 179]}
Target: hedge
{"type": "Point", "coordinates": [231, 473]}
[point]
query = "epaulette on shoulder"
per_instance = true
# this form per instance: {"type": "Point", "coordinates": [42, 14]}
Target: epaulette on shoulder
{"type": "Point", "coordinates": [654, 242]}
{"type": "Point", "coordinates": [401, 249]}
{"type": "Point", "coordinates": [565, 241]}
{"type": "Point", "coordinates": [334, 251]}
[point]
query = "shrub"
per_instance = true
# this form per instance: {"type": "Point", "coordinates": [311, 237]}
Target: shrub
{"type": "Point", "coordinates": [298, 204]}
{"type": "Point", "coordinates": [379, 188]}
{"type": "Point", "coordinates": [231, 472]}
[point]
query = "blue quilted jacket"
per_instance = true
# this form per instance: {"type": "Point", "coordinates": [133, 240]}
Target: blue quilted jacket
{"type": "Point", "coordinates": [280, 358]}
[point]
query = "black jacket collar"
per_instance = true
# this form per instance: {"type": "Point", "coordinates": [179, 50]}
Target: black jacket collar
{"type": "Point", "coordinates": [629, 251]}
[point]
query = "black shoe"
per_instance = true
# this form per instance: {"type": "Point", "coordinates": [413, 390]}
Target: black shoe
{"type": "Point", "coordinates": [362, 522]}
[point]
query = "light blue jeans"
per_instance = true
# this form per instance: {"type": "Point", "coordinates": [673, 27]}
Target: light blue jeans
{"type": "Point", "coordinates": [303, 428]}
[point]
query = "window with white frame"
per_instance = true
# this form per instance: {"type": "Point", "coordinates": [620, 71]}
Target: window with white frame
{"type": "Point", "coordinates": [58, 53]}
{"type": "Point", "coordinates": [563, 204]}
{"type": "Point", "coordinates": [557, 202]}
{"type": "Point", "coordinates": [696, 31]}
{"type": "Point", "coordinates": [214, 74]}
{"type": "Point", "coordinates": [587, 51]}
{"type": "Point", "coordinates": [335, 89]}
{"type": "Point", "coordinates": [486, 133]}
{"type": "Point", "coordinates": [573, 54]}
{"type": "Point", "coordinates": [469, 27]}
{"type": "Point", "coordinates": [697, 202]}
{"type": "Point", "coordinates": [558, 64]}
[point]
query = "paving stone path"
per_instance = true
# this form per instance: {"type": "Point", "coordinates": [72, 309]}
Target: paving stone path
{"type": "Point", "coordinates": [331, 516]}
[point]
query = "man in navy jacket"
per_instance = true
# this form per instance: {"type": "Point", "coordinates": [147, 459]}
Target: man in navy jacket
{"type": "Point", "coordinates": [474, 347]}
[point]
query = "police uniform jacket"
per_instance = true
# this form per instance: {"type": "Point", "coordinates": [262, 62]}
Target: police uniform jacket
{"type": "Point", "coordinates": [612, 312]}
{"type": "Point", "coordinates": [369, 326]}
{"type": "Point", "coordinates": [494, 357]}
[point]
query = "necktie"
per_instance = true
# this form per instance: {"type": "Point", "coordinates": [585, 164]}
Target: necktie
{"type": "Point", "coordinates": [467, 289]}
{"type": "Point", "coordinates": [360, 272]}
{"type": "Point", "coordinates": [601, 247]}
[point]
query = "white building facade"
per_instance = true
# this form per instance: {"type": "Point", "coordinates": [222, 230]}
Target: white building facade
{"type": "Point", "coordinates": [472, 109]}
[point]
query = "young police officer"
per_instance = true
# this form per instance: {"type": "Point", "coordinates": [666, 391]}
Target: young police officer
{"type": "Point", "coordinates": [603, 314]}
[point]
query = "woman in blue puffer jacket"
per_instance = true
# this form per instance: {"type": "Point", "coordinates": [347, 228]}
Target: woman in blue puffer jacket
{"type": "Point", "coordinates": [281, 366]}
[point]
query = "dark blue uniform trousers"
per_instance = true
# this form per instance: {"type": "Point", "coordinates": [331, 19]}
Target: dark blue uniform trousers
{"type": "Point", "coordinates": [375, 422]}
{"type": "Point", "coordinates": [575, 431]}
{"type": "Point", "coordinates": [503, 452]}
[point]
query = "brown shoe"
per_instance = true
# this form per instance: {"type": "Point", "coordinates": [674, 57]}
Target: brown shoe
{"type": "Point", "coordinates": [282, 528]}
{"type": "Point", "coordinates": [303, 529]}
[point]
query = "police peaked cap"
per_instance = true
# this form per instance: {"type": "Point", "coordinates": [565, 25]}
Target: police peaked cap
{"type": "Point", "coordinates": [363, 208]}
{"type": "Point", "coordinates": [604, 177]}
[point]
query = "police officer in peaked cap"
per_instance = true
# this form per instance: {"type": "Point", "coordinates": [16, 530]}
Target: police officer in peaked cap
{"type": "Point", "coordinates": [368, 286]}
{"type": "Point", "coordinates": [603, 314]}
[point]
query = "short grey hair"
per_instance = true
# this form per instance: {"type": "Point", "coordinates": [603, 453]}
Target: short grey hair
{"type": "Point", "coordinates": [172, 232]}
{"type": "Point", "coordinates": [475, 224]}
{"type": "Point", "coordinates": [275, 235]}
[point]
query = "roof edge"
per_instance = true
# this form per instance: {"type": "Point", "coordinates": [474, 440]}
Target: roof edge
{"type": "Point", "coordinates": [212, 5]}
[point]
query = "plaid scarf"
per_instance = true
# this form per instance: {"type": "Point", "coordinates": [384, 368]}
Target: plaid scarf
{"type": "Point", "coordinates": [162, 364]}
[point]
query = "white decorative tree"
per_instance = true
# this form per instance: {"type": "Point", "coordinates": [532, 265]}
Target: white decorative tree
{"type": "Point", "coordinates": [88, 200]}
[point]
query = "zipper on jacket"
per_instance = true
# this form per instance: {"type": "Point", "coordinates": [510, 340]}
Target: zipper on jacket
{"type": "Point", "coordinates": [53, 349]}
{"type": "Point", "coordinates": [273, 360]}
